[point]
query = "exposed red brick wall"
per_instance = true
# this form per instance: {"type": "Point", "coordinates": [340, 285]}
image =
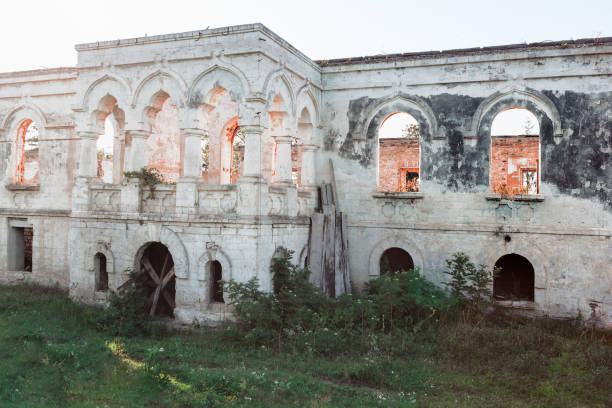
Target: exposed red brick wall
{"type": "Point", "coordinates": [394, 157]}
{"type": "Point", "coordinates": [510, 154]}
{"type": "Point", "coordinates": [164, 143]}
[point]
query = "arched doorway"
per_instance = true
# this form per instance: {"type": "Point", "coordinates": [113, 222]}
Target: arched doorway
{"type": "Point", "coordinates": [157, 273]}
{"type": "Point", "coordinates": [515, 280]}
{"type": "Point", "coordinates": [395, 260]}
{"type": "Point", "coordinates": [101, 272]}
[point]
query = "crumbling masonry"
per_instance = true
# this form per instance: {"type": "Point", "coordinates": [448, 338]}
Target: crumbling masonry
{"type": "Point", "coordinates": [241, 127]}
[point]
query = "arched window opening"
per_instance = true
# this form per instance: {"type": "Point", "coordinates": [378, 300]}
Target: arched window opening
{"type": "Point", "coordinates": [101, 273]}
{"type": "Point", "coordinates": [105, 147]}
{"type": "Point", "coordinates": [399, 153]}
{"type": "Point", "coordinates": [395, 260]}
{"type": "Point", "coordinates": [157, 270]}
{"type": "Point", "coordinates": [164, 143]}
{"type": "Point", "coordinates": [216, 286]}
{"type": "Point", "coordinates": [515, 280]}
{"type": "Point", "coordinates": [515, 153]}
{"type": "Point", "coordinates": [223, 149]}
{"type": "Point", "coordinates": [27, 154]}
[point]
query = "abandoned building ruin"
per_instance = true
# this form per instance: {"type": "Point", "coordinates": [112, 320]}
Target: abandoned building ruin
{"type": "Point", "coordinates": [244, 130]}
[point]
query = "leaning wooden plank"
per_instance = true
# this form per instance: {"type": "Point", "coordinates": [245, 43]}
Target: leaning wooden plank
{"type": "Point", "coordinates": [333, 184]}
{"type": "Point", "coordinates": [339, 256]}
{"type": "Point", "coordinates": [347, 269]}
{"type": "Point", "coordinates": [315, 254]}
{"type": "Point", "coordinates": [329, 255]}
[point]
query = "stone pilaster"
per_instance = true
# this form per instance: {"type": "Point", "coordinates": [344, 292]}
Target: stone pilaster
{"type": "Point", "coordinates": [137, 154]}
{"type": "Point", "coordinates": [283, 165]}
{"type": "Point", "coordinates": [308, 175]}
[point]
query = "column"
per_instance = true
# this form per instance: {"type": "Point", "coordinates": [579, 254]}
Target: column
{"type": "Point", "coordinates": [283, 166]}
{"type": "Point", "coordinates": [88, 169]}
{"type": "Point", "coordinates": [192, 153]}
{"type": "Point", "coordinates": [252, 151]}
{"type": "Point", "coordinates": [308, 180]}
{"type": "Point", "coordinates": [88, 160]}
{"type": "Point", "coordinates": [137, 157]}
{"type": "Point", "coordinates": [191, 170]}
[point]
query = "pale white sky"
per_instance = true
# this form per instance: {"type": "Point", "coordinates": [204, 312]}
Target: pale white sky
{"type": "Point", "coordinates": [510, 122]}
{"type": "Point", "coordinates": [42, 33]}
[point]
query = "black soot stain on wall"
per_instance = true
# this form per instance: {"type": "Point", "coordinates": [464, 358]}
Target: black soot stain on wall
{"type": "Point", "coordinates": [578, 163]}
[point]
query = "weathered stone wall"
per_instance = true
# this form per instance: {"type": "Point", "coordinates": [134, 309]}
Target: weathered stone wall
{"type": "Point", "coordinates": [455, 97]}
{"type": "Point", "coordinates": [296, 115]}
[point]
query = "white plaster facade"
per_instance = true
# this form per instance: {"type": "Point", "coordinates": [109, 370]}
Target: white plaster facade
{"type": "Point", "coordinates": [331, 108]}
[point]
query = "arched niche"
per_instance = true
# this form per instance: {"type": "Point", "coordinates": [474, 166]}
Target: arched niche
{"type": "Point", "coordinates": [394, 242]}
{"type": "Point", "coordinates": [213, 254]}
{"type": "Point", "coordinates": [104, 248]}
{"type": "Point", "coordinates": [526, 248]}
{"type": "Point", "coordinates": [515, 279]}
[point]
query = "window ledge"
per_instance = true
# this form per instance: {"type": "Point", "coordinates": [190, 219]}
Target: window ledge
{"type": "Point", "coordinates": [20, 187]}
{"type": "Point", "coordinates": [518, 197]}
{"type": "Point", "coordinates": [398, 195]}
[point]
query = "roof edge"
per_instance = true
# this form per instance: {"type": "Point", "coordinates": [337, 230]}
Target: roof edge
{"type": "Point", "coordinates": [464, 51]}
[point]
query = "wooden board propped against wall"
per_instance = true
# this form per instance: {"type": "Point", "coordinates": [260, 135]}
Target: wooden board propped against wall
{"type": "Point", "coordinates": [328, 249]}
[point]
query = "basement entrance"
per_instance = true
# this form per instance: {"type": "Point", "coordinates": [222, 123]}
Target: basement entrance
{"type": "Point", "coordinates": [395, 260]}
{"type": "Point", "coordinates": [157, 271]}
{"type": "Point", "coordinates": [515, 280]}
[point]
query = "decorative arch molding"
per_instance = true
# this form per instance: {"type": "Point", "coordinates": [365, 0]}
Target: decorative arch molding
{"type": "Point", "coordinates": [530, 99]}
{"type": "Point", "coordinates": [212, 254]}
{"type": "Point", "coordinates": [104, 248]}
{"type": "Point", "coordinates": [155, 82]}
{"type": "Point", "coordinates": [26, 110]}
{"type": "Point", "coordinates": [271, 88]}
{"type": "Point", "coordinates": [305, 99]}
{"type": "Point", "coordinates": [107, 84]}
{"type": "Point", "coordinates": [394, 241]}
{"type": "Point", "coordinates": [528, 250]}
{"type": "Point", "coordinates": [400, 102]}
{"type": "Point", "coordinates": [219, 75]}
{"type": "Point", "coordinates": [148, 233]}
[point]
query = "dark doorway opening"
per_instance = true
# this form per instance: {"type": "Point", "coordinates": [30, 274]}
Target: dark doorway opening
{"type": "Point", "coordinates": [394, 260]}
{"type": "Point", "coordinates": [101, 273]}
{"type": "Point", "coordinates": [515, 281]}
{"type": "Point", "coordinates": [157, 267]}
{"type": "Point", "coordinates": [216, 287]}
{"type": "Point", "coordinates": [20, 249]}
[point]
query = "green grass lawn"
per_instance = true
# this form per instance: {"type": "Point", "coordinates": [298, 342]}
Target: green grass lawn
{"type": "Point", "coordinates": [53, 355]}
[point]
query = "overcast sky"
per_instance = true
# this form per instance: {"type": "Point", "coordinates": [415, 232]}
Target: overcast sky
{"type": "Point", "coordinates": [36, 34]}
